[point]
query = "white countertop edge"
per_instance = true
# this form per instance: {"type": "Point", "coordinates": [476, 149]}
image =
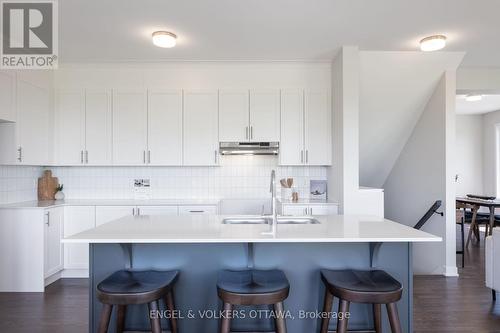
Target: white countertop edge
{"type": "Point", "coordinates": [309, 202]}
{"type": "Point", "coordinates": [259, 240]}
{"type": "Point", "coordinates": [109, 202]}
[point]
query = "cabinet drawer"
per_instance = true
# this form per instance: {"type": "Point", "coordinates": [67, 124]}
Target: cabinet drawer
{"type": "Point", "coordinates": [324, 210]}
{"type": "Point", "coordinates": [295, 210]}
{"type": "Point", "coordinates": [199, 210]}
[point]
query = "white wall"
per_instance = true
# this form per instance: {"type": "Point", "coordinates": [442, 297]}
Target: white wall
{"type": "Point", "coordinates": [422, 174]}
{"type": "Point", "coordinates": [490, 151]}
{"type": "Point", "coordinates": [469, 154]}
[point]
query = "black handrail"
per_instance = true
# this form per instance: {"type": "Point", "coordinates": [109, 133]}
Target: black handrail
{"type": "Point", "coordinates": [428, 214]}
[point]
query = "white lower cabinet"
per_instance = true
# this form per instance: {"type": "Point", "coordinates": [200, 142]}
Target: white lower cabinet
{"type": "Point", "coordinates": [314, 210]}
{"type": "Point", "coordinates": [105, 214]}
{"type": "Point", "coordinates": [157, 210]}
{"type": "Point", "coordinates": [77, 219]}
{"type": "Point", "coordinates": [53, 232]}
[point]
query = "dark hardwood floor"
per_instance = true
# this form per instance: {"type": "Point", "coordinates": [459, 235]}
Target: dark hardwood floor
{"type": "Point", "coordinates": [441, 304]}
{"type": "Point", "coordinates": [460, 304]}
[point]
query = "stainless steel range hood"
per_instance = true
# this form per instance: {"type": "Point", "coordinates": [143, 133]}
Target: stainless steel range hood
{"type": "Point", "coordinates": [249, 148]}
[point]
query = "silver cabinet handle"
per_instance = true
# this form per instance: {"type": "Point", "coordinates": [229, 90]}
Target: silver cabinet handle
{"type": "Point", "coordinates": [48, 218]}
{"type": "Point", "coordinates": [215, 156]}
{"type": "Point", "coordinates": [246, 132]}
{"type": "Point", "coordinates": [86, 157]}
{"type": "Point", "coordinates": [197, 211]}
{"type": "Point", "coordinates": [251, 132]}
{"type": "Point", "coordinates": [133, 211]}
{"type": "Point", "coordinates": [20, 154]}
{"type": "Point", "coordinates": [301, 156]}
{"type": "Point", "coordinates": [305, 210]}
{"type": "Point", "coordinates": [149, 156]}
{"type": "Point", "coordinates": [310, 211]}
{"type": "Point", "coordinates": [81, 156]}
{"type": "Point", "coordinates": [307, 156]}
{"type": "Point", "coordinates": [144, 156]}
{"type": "Point", "coordinates": [138, 211]}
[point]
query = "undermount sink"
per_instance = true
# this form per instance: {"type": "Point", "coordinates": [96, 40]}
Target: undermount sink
{"type": "Point", "coordinates": [267, 220]}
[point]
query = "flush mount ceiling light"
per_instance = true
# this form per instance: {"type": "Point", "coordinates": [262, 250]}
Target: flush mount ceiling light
{"type": "Point", "coordinates": [473, 97]}
{"type": "Point", "coordinates": [433, 43]}
{"type": "Point", "coordinates": [164, 39]}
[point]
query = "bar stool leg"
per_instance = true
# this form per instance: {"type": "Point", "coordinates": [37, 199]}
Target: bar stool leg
{"type": "Point", "coordinates": [120, 318]}
{"type": "Point", "coordinates": [377, 317]}
{"type": "Point", "coordinates": [327, 307]}
{"type": "Point", "coordinates": [392, 311]}
{"type": "Point", "coordinates": [342, 323]}
{"type": "Point", "coordinates": [105, 316]}
{"type": "Point", "coordinates": [280, 322]}
{"type": "Point", "coordinates": [155, 320]}
{"type": "Point", "coordinates": [226, 318]}
{"type": "Point", "coordinates": [169, 302]}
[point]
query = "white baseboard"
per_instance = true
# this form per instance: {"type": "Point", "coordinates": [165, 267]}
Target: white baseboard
{"type": "Point", "coordinates": [450, 271]}
{"type": "Point", "coordinates": [75, 273]}
{"type": "Point", "coordinates": [53, 278]}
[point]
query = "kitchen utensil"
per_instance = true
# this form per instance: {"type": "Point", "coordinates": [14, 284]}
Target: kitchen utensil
{"type": "Point", "coordinates": [283, 183]}
{"type": "Point", "coordinates": [289, 181]}
{"type": "Point", "coordinates": [47, 186]}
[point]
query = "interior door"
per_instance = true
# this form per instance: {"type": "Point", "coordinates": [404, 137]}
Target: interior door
{"type": "Point", "coordinates": [70, 127]}
{"type": "Point", "coordinates": [318, 123]}
{"type": "Point", "coordinates": [164, 127]}
{"type": "Point", "coordinates": [98, 129]}
{"type": "Point", "coordinates": [292, 127]}
{"type": "Point", "coordinates": [264, 115]}
{"type": "Point", "coordinates": [233, 115]}
{"type": "Point", "coordinates": [201, 127]}
{"type": "Point", "coordinates": [33, 104]}
{"type": "Point", "coordinates": [77, 219]}
{"type": "Point", "coordinates": [129, 127]}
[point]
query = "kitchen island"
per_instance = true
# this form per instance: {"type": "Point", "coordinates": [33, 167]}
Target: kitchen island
{"type": "Point", "coordinates": [200, 246]}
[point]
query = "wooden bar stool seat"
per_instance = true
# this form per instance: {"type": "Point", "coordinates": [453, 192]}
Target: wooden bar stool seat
{"type": "Point", "coordinates": [127, 287]}
{"type": "Point", "coordinates": [371, 286]}
{"type": "Point", "coordinates": [253, 287]}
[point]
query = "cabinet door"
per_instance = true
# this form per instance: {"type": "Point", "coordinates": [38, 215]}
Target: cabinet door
{"type": "Point", "coordinates": [129, 127]}
{"type": "Point", "coordinates": [292, 127]}
{"type": "Point", "coordinates": [197, 210]}
{"type": "Point", "coordinates": [105, 214]}
{"type": "Point", "coordinates": [264, 115]}
{"type": "Point", "coordinates": [77, 219]}
{"type": "Point", "coordinates": [157, 210]}
{"type": "Point", "coordinates": [53, 246]}
{"type": "Point", "coordinates": [200, 128]}
{"type": "Point", "coordinates": [98, 138]}
{"type": "Point", "coordinates": [7, 96]}
{"type": "Point", "coordinates": [323, 210]}
{"type": "Point", "coordinates": [233, 115]}
{"type": "Point", "coordinates": [70, 127]}
{"type": "Point", "coordinates": [318, 123]}
{"type": "Point", "coordinates": [33, 103]}
{"type": "Point", "coordinates": [295, 210]}
{"type": "Point", "coordinates": [165, 127]}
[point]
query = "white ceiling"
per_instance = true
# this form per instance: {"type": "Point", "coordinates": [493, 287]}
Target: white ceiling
{"type": "Point", "coordinates": [489, 103]}
{"type": "Point", "coordinates": [119, 30]}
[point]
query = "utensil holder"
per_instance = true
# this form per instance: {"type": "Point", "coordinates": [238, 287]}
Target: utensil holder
{"type": "Point", "coordinates": [286, 193]}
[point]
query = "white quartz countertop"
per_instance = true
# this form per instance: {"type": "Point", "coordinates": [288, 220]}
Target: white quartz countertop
{"type": "Point", "coordinates": [209, 229]}
{"type": "Point", "coordinates": [308, 202]}
{"type": "Point", "coordinates": [110, 202]}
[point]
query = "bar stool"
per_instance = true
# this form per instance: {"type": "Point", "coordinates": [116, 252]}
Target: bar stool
{"type": "Point", "coordinates": [253, 287]}
{"type": "Point", "coordinates": [373, 286]}
{"type": "Point", "coordinates": [126, 287]}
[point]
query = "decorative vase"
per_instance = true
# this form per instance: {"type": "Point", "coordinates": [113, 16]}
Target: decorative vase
{"type": "Point", "coordinates": [59, 195]}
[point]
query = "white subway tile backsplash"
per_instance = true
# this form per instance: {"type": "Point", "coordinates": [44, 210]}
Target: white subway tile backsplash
{"type": "Point", "coordinates": [18, 183]}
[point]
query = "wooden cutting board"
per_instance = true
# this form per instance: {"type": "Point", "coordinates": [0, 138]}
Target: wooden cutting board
{"type": "Point", "coordinates": [47, 186]}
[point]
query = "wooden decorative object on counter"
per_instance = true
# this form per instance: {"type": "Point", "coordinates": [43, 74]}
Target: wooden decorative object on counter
{"type": "Point", "coordinates": [47, 186]}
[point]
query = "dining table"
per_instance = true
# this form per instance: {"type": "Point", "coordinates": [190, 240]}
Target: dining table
{"type": "Point", "coordinates": [475, 204]}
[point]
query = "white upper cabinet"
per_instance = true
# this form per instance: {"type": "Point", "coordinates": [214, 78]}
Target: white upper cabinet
{"type": "Point", "coordinates": [7, 96]}
{"type": "Point", "coordinates": [317, 129]}
{"type": "Point", "coordinates": [201, 127]}
{"type": "Point", "coordinates": [129, 127]}
{"type": "Point", "coordinates": [33, 114]}
{"type": "Point", "coordinates": [98, 138]}
{"type": "Point", "coordinates": [233, 115]}
{"type": "Point", "coordinates": [292, 127]}
{"type": "Point", "coordinates": [305, 128]}
{"type": "Point", "coordinates": [164, 127]}
{"type": "Point", "coordinates": [264, 115]}
{"type": "Point", "coordinates": [70, 127]}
